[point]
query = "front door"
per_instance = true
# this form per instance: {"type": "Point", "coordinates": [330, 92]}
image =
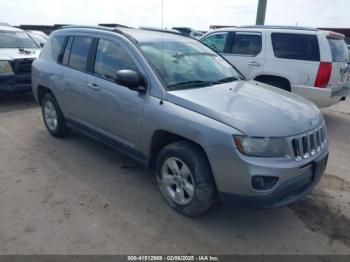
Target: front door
{"type": "Point", "coordinates": [112, 109]}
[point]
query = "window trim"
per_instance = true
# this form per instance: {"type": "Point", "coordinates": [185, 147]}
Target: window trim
{"type": "Point", "coordinates": [295, 59]}
{"type": "Point", "coordinates": [70, 40]}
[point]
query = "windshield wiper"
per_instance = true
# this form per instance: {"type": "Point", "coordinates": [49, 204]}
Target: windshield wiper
{"type": "Point", "coordinates": [180, 55]}
{"type": "Point", "coordinates": [226, 80]}
{"type": "Point", "coordinates": [191, 83]}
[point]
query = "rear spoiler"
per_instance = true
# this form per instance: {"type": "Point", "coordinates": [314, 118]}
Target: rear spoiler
{"type": "Point", "coordinates": [335, 35]}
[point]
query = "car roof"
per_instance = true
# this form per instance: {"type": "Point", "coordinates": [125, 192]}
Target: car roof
{"type": "Point", "coordinates": [140, 35]}
{"type": "Point", "coordinates": [254, 28]}
{"type": "Point", "coordinates": [9, 28]}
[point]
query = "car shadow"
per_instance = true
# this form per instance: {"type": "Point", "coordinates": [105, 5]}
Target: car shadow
{"type": "Point", "coordinates": [133, 194]}
{"type": "Point", "coordinates": [14, 102]}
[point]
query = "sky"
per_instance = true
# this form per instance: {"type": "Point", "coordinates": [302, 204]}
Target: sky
{"type": "Point", "coordinates": [199, 14]}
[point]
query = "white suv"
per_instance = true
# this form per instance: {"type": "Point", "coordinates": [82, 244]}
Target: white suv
{"type": "Point", "coordinates": [305, 61]}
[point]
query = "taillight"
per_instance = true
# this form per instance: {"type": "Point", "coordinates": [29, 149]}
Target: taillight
{"type": "Point", "coordinates": [323, 75]}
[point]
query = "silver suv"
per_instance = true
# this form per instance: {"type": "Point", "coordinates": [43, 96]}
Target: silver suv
{"type": "Point", "coordinates": [177, 107]}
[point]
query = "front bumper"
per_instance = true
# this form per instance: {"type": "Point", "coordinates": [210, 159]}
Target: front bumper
{"type": "Point", "coordinates": [233, 175]}
{"type": "Point", "coordinates": [15, 83]}
{"type": "Point", "coordinates": [322, 97]}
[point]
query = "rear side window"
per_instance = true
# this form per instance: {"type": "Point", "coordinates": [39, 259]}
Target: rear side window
{"type": "Point", "coordinates": [339, 50]}
{"type": "Point", "coordinates": [216, 41]}
{"type": "Point", "coordinates": [56, 47]}
{"type": "Point", "coordinates": [80, 52]}
{"type": "Point", "coordinates": [110, 58]}
{"type": "Point", "coordinates": [296, 46]}
{"type": "Point", "coordinates": [246, 43]}
{"type": "Point", "coordinates": [66, 53]}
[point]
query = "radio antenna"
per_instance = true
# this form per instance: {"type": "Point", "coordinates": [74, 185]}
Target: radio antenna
{"type": "Point", "coordinates": [163, 35]}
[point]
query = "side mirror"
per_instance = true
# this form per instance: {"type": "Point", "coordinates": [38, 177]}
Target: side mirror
{"type": "Point", "coordinates": [130, 79]}
{"type": "Point", "coordinates": [42, 45]}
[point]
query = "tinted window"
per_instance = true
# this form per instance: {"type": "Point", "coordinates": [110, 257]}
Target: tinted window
{"type": "Point", "coordinates": [339, 50]}
{"type": "Point", "coordinates": [79, 52]}
{"type": "Point", "coordinates": [110, 58]}
{"type": "Point", "coordinates": [296, 46]}
{"type": "Point", "coordinates": [66, 53]}
{"type": "Point", "coordinates": [216, 41]}
{"type": "Point", "coordinates": [56, 47]}
{"type": "Point", "coordinates": [246, 44]}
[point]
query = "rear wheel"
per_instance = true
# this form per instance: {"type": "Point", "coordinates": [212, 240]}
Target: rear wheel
{"type": "Point", "coordinates": [278, 84]}
{"type": "Point", "coordinates": [185, 179]}
{"type": "Point", "coordinates": [53, 117]}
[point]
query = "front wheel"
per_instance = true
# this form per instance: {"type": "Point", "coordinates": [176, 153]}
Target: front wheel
{"type": "Point", "coordinates": [185, 178]}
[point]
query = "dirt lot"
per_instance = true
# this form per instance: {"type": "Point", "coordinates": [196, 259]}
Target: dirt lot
{"type": "Point", "coordinates": [72, 197]}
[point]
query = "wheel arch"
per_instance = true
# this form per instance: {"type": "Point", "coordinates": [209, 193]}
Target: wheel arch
{"type": "Point", "coordinates": [280, 79]}
{"type": "Point", "coordinates": [161, 138]}
{"type": "Point", "coordinates": [41, 91]}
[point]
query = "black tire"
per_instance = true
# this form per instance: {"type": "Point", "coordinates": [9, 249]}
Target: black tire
{"type": "Point", "coordinates": [278, 84]}
{"type": "Point", "coordinates": [60, 130]}
{"type": "Point", "coordinates": [205, 193]}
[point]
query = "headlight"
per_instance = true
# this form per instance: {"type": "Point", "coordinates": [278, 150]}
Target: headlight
{"type": "Point", "coordinates": [262, 147]}
{"type": "Point", "coordinates": [5, 67]}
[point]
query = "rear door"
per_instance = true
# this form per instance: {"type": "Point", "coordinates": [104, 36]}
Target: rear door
{"type": "Point", "coordinates": [73, 82]}
{"type": "Point", "coordinates": [340, 60]}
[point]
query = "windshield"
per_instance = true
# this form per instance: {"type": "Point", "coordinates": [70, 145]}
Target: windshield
{"type": "Point", "coordinates": [14, 39]}
{"type": "Point", "coordinates": [38, 38]}
{"type": "Point", "coordinates": [188, 64]}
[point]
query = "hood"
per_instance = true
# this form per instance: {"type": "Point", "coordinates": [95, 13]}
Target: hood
{"type": "Point", "coordinates": [15, 53]}
{"type": "Point", "coordinates": [256, 109]}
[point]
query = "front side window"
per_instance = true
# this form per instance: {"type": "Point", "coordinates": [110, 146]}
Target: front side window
{"type": "Point", "coordinates": [245, 43]}
{"type": "Point", "coordinates": [216, 41]}
{"type": "Point", "coordinates": [110, 58]}
{"type": "Point", "coordinates": [188, 64]}
{"type": "Point", "coordinates": [79, 52]}
{"type": "Point", "coordinates": [16, 39]}
{"type": "Point", "coordinates": [296, 46]}
{"type": "Point", "coordinates": [339, 50]}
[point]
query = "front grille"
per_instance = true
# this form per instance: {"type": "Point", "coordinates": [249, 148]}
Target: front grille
{"type": "Point", "coordinates": [309, 144]}
{"type": "Point", "coordinates": [22, 66]}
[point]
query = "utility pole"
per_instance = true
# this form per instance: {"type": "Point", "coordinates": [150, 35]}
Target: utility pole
{"type": "Point", "coordinates": [260, 16]}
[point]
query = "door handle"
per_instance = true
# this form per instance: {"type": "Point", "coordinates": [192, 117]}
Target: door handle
{"type": "Point", "coordinates": [254, 63]}
{"type": "Point", "coordinates": [93, 87]}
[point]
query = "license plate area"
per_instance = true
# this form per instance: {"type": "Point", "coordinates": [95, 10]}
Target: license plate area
{"type": "Point", "coordinates": [319, 167]}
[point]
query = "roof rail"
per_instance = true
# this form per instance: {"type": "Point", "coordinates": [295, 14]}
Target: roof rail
{"type": "Point", "coordinates": [110, 29]}
{"type": "Point", "coordinates": [88, 27]}
{"type": "Point", "coordinates": [280, 27]}
{"type": "Point", "coordinates": [170, 31]}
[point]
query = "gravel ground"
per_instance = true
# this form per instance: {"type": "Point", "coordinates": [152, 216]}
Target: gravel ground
{"type": "Point", "coordinates": [73, 197]}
